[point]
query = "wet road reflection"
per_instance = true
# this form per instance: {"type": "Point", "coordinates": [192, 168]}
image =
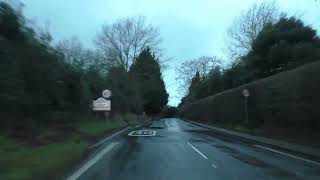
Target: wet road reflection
{"type": "Point", "coordinates": [168, 155]}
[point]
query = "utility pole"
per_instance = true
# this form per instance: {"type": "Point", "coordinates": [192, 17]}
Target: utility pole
{"type": "Point", "coordinates": [246, 95]}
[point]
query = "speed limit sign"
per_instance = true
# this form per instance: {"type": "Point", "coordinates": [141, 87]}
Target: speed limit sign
{"type": "Point", "coordinates": [246, 93]}
{"type": "Point", "coordinates": [106, 93]}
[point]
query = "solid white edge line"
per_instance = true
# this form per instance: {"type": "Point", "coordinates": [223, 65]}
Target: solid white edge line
{"type": "Point", "coordinates": [91, 162]}
{"type": "Point", "coordinates": [290, 155]}
{"type": "Point", "coordinates": [195, 149]}
{"type": "Point", "coordinates": [167, 123]}
{"type": "Point", "coordinates": [108, 138]}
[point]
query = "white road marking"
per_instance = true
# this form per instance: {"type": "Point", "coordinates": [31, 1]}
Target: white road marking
{"type": "Point", "coordinates": [290, 155]}
{"type": "Point", "coordinates": [201, 154]}
{"type": "Point", "coordinates": [108, 138]}
{"type": "Point", "coordinates": [213, 165]}
{"type": "Point", "coordinates": [92, 161]}
{"type": "Point", "coordinates": [143, 133]}
{"type": "Point", "coordinates": [167, 123]}
{"type": "Point", "coordinates": [194, 148]}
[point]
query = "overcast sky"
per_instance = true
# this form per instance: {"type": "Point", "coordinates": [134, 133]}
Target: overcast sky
{"type": "Point", "coordinates": [189, 28]}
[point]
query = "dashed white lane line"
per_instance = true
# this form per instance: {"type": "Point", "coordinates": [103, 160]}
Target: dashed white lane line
{"type": "Point", "coordinates": [195, 149]}
{"type": "Point", "coordinates": [90, 163]}
{"type": "Point", "coordinates": [201, 154]}
{"type": "Point", "coordinates": [289, 155]}
{"type": "Point", "coordinates": [167, 123]}
{"type": "Point", "coordinates": [214, 166]}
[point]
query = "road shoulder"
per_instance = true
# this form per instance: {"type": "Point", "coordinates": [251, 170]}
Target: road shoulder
{"type": "Point", "coordinates": [310, 152]}
{"type": "Point", "coordinates": [97, 150]}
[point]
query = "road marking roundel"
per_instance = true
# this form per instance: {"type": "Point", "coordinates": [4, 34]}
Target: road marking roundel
{"type": "Point", "coordinates": [142, 133]}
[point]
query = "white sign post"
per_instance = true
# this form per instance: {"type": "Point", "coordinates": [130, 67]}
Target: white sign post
{"type": "Point", "coordinates": [106, 93]}
{"type": "Point", "coordinates": [102, 105]}
{"type": "Point", "coordinates": [246, 94]}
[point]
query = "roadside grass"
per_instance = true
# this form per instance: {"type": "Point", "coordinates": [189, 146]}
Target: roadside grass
{"type": "Point", "coordinates": [98, 128]}
{"type": "Point", "coordinates": [243, 129]}
{"type": "Point", "coordinates": [133, 119]}
{"type": "Point", "coordinates": [19, 160]}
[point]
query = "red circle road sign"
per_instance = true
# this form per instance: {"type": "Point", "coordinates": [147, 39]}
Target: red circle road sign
{"type": "Point", "coordinates": [246, 93]}
{"type": "Point", "coordinates": [106, 93]}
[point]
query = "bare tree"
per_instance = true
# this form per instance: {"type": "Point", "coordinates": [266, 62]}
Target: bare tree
{"type": "Point", "coordinates": [71, 49]}
{"type": "Point", "coordinates": [75, 54]}
{"type": "Point", "coordinates": [16, 4]}
{"type": "Point", "coordinates": [42, 32]}
{"type": "Point", "coordinates": [247, 26]}
{"type": "Point", "coordinates": [122, 41]}
{"type": "Point", "coordinates": [187, 70]}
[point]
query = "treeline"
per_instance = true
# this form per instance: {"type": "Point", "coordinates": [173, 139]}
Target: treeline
{"type": "Point", "coordinates": [283, 105]}
{"type": "Point", "coordinates": [279, 46]}
{"type": "Point", "coordinates": [43, 83]}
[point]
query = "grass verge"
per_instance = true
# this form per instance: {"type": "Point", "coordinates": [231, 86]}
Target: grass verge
{"type": "Point", "coordinates": [22, 161]}
{"type": "Point", "coordinates": [98, 128]}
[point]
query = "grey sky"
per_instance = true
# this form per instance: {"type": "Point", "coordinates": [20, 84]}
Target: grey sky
{"type": "Point", "coordinates": [189, 28]}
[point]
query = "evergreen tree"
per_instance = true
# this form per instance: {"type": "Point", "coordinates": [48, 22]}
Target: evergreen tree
{"type": "Point", "coordinates": [126, 95]}
{"type": "Point", "coordinates": [147, 71]}
{"type": "Point", "coordinates": [214, 81]}
{"type": "Point", "coordinates": [36, 85]}
{"type": "Point", "coordinates": [281, 46]}
{"type": "Point", "coordinates": [10, 22]}
{"type": "Point", "coordinates": [197, 89]}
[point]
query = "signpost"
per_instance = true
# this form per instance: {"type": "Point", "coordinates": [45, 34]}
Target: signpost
{"type": "Point", "coordinates": [102, 104]}
{"type": "Point", "coordinates": [246, 94]}
{"type": "Point", "coordinates": [106, 93]}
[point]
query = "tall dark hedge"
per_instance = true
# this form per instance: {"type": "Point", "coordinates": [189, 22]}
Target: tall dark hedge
{"type": "Point", "coordinates": [35, 82]}
{"type": "Point", "coordinates": [282, 46]}
{"type": "Point", "coordinates": [289, 100]}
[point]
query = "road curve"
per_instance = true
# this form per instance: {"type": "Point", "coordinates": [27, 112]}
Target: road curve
{"type": "Point", "coordinates": [181, 150]}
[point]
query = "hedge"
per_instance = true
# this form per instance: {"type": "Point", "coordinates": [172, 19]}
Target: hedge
{"type": "Point", "coordinates": [288, 99]}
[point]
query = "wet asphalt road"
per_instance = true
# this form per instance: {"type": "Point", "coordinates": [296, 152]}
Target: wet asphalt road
{"type": "Point", "coordinates": [183, 151]}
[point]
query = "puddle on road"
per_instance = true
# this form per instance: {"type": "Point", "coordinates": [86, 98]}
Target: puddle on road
{"type": "Point", "coordinates": [123, 155]}
{"type": "Point", "coordinates": [241, 156]}
{"type": "Point", "coordinates": [156, 127]}
{"type": "Point", "coordinates": [198, 131]}
{"type": "Point", "coordinates": [212, 134]}
{"type": "Point", "coordinates": [199, 140]}
{"type": "Point", "coordinates": [274, 172]}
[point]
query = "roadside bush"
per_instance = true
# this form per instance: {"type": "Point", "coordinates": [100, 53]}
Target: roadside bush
{"type": "Point", "coordinates": [289, 99]}
{"type": "Point", "coordinates": [59, 117]}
